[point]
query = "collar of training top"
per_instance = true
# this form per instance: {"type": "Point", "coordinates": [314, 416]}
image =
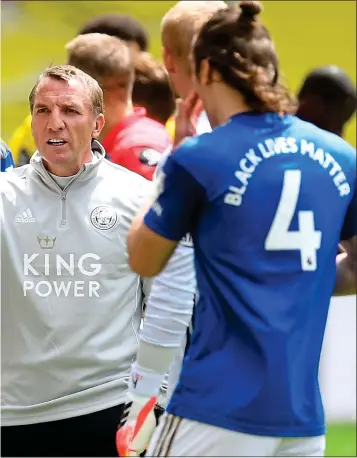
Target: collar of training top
{"type": "Point", "coordinates": [87, 171]}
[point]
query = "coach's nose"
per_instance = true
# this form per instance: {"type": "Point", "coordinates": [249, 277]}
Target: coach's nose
{"type": "Point", "coordinates": [55, 121]}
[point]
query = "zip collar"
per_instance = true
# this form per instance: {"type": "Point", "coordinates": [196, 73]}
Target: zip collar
{"type": "Point", "coordinates": [87, 171]}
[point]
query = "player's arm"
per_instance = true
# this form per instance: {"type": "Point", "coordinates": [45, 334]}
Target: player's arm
{"type": "Point", "coordinates": [148, 251]}
{"type": "Point", "coordinates": [155, 233]}
{"type": "Point", "coordinates": [346, 261]}
{"type": "Point", "coordinates": [167, 315]}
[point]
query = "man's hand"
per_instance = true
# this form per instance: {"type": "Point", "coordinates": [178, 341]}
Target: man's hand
{"type": "Point", "coordinates": [136, 425]}
{"type": "Point", "coordinates": [346, 264]}
{"type": "Point", "coordinates": [188, 111]}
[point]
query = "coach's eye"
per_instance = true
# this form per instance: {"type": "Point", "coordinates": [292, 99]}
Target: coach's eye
{"type": "Point", "coordinates": [42, 110]}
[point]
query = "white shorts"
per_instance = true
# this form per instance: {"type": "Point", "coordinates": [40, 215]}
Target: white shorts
{"type": "Point", "coordinates": [177, 436]}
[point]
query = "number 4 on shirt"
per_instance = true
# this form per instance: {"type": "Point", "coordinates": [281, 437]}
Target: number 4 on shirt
{"type": "Point", "coordinates": [305, 239]}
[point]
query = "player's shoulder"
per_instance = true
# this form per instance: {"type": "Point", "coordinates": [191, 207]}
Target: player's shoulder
{"type": "Point", "coordinates": [196, 153]}
{"type": "Point", "coordinates": [7, 161]}
{"type": "Point", "coordinates": [192, 146]}
{"type": "Point", "coordinates": [118, 179]}
{"type": "Point", "coordinates": [4, 149]}
{"type": "Point", "coordinates": [147, 132]}
{"type": "Point", "coordinates": [140, 146]}
{"type": "Point", "coordinates": [328, 141]}
{"type": "Point", "coordinates": [339, 145]}
{"type": "Point", "coordinates": [152, 124]}
{"type": "Point", "coordinates": [312, 132]}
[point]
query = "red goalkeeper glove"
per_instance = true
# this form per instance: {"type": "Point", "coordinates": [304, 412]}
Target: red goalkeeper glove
{"type": "Point", "coordinates": [136, 425]}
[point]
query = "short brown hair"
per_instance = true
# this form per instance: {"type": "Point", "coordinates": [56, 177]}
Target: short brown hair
{"type": "Point", "coordinates": [101, 56]}
{"type": "Point", "coordinates": [182, 22]}
{"type": "Point", "coordinates": [68, 73]}
{"type": "Point", "coordinates": [152, 88]}
{"type": "Point", "coordinates": [239, 47]}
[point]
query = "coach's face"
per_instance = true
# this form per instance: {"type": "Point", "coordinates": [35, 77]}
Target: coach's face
{"type": "Point", "coordinates": [63, 125]}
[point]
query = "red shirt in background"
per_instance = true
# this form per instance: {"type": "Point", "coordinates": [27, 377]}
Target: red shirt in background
{"type": "Point", "coordinates": [137, 143]}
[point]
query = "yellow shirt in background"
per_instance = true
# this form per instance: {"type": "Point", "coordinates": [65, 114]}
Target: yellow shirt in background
{"type": "Point", "coordinates": [21, 143]}
{"type": "Point", "coordinates": [170, 127]}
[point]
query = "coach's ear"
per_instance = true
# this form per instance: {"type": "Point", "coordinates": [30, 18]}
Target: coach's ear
{"type": "Point", "coordinates": [98, 125]}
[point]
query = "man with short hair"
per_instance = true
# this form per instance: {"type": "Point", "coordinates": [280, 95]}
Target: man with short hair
{"type": "Point", "coordinates": [70, 304]}
{"type": "Point", "coordinates": [178, 28]}
{"type": "Point", "coordinates": [121, 26]}
{"type": "Point", "coordinates": [328, 99]}
{"type": "Point", "coordinates": [152, 88]}
{"type": "Point", "coordinates": [130, 138]}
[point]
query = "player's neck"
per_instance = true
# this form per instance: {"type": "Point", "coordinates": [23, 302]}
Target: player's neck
{"type": "Point", "coordinates": [229, 103]}
{"type": "Point", "coordinates": [114, 114]}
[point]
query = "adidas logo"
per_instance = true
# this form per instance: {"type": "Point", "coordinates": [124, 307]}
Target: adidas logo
{"type": "Point", "coordinates": [25, 217]}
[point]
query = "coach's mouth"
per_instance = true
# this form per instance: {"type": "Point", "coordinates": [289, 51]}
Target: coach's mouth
{"type": "Point", "coordinates": [56, 142]}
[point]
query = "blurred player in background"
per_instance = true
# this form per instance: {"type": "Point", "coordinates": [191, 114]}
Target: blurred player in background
{"type": "Point", "coordinates": [121, 26]}
{"type": "Point", "coordinates": [7, 162]}
{"type": "Point", "coordinates": [178, 28]}
{"type": "Point", "coordinates": [328, 99]}
{"type": "Point", "coordinates": [22, 143]}
{"type": "Point", "coordinates": [130, 137]}
{"type": "Point", "coordinates": [152, 88]}
{"type": "Point", "coordinates": [249, 383]}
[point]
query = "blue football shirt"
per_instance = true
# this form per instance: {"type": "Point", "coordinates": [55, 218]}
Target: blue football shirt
{"type": "Point", "coordinates": [7, 161]}
{"type": "Point", "coordinates": [267, 200]}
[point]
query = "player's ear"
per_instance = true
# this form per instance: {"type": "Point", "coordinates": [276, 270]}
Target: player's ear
{"type": "Point", "coordinates": [168, 60]}
{"type": "Point", "coordinates": [205, 72]}
{"type": "Point", "coordinates": [98, 125]}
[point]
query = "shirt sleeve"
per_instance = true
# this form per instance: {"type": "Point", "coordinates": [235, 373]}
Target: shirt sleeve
{"type": "Point", "coordinates": [180, 199]}
{"type": "Point", "coordinates": [170, 304]}
{"type": "Point", "coordinates": [162, 162]}
{"type": "Point", "coordinates": [21, 143]}
{"type": "Point", "coordinates": [168, 314]}
{"type": "Point", "coordinates": [349, 228]}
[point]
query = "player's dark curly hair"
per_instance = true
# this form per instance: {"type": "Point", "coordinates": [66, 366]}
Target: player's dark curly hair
{"type": "Point", "coordinates": [239, 47]}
